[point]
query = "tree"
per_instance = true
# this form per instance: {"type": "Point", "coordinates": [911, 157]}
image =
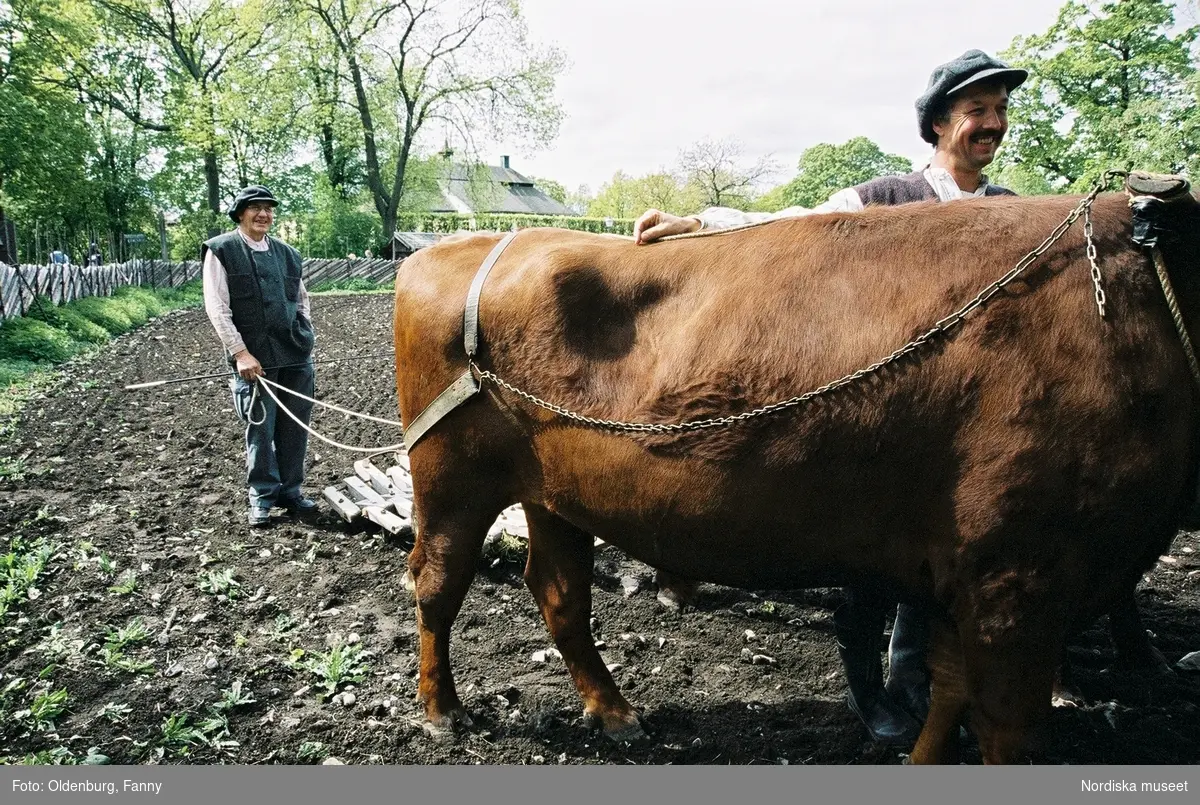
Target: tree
{"type": "Point", "coordinates": [617, 198]}
{"type": "Point", "coordinates": [194, 43]}
{"type": "Point", "coordinates": [1110, 86]}
{"type": "Point", "coordinates": [46, 144]}
{"type": "Point", "coordinates": [825, 169]}
{"type": "Point", "coordinates": [551, 188]}
{"type": "Point", "coordinates": [716, 172]}
{"type": "Point", "coordinates": [410, 62]}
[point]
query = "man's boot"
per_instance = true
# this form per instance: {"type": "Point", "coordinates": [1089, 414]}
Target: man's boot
{"type": "Point", "coordinates": [908, 674]}
{"type": "Point", "coordinates": [859, 631]}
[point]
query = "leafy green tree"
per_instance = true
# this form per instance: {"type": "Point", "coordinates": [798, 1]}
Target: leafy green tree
{"type": "Point", "coordinates": [1112, 84]}
{"type": "Point", "coordinates": [551, 188]}
{"type": "Point", "coordinates": [336, 226]}
{"type": "Point", "coordinates": [471, 66]}
{"type": "Point", "coordinates": [195, 45]}
{"type": "Point", "coordinates": [825, 169]}
{"type": "Point", "coordinates": [45, 141]}
{"type": "Point", "coordinates": [617, 198]}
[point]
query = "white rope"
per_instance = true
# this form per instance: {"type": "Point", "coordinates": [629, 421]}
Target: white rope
{"type": "Point", "coordinates": [337, 408]}
{"type": "Point", "coordinates": [371, 450]}
{"type": "Point", "coordinates": [250, 410]}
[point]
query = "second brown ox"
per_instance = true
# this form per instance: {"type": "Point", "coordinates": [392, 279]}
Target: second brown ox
{"type": "Point", "coordinates": [1019, 476]}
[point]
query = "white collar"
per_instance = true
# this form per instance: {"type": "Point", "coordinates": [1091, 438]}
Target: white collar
{"type": "Point", "coordinates": [257, 245]}
{"type": "Point", "coordinates": [946, 188]}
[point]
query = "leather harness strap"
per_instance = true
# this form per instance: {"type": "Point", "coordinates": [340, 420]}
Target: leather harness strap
{"type": "Point", "coordinates": [465, 386]}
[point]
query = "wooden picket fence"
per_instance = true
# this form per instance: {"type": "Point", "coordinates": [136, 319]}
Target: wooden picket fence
{"type": "Point", "coordinates": [20, 284]}
{"type": "Point", "coordinates": [375, 269]}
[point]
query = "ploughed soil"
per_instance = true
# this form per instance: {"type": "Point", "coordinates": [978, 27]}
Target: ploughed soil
{"type": "Point", "coordinates": [151, 483]}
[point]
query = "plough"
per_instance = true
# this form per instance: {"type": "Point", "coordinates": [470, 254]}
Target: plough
{"type": "Point", "coordinates": [385, 498]}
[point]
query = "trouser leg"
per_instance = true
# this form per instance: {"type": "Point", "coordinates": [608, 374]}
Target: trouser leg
{"type": "Point", "coordinates": [908, 673]}
{"type": "Point", "coordinates": [858, 625]}
{"type": "Point", "coordinates": [291, 440]}
{"type": "Point", "coordinates": [262, 471]}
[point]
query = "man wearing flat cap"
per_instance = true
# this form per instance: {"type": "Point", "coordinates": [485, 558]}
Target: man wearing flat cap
{"type": "Point", "coordinates": [963, 114]}
{"type": "Point", "coordinates": [257, 303]}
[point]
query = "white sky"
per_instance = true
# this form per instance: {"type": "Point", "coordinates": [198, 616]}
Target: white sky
{"type": "Point", "coordinates": [650, 77]}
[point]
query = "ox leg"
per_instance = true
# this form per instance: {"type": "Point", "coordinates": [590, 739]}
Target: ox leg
{"type": "Point", "coordinates": [675, 592]}
{"type": "Point", "coordinates": [1010, 677]}
{"type": "Point", "coordinates": [1134, 649]}
{"type": "Point", "coordinates": [938, 742]}
{"type": "Point", "coordinates": [559, 574]}
{"type": "Point", "coordinates": [442, 566]}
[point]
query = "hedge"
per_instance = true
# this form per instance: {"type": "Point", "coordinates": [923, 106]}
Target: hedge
{"type": "Point", "coordinates": [102, 310]}
{"type": "Point", "coordinates": [76, 325]}
{"type": "Point", "coordinates": [33, 340]}
{"type": "Point", "coordinates": [505, 221]}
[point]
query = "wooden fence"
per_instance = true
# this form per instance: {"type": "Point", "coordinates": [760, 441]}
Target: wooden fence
{"type": "Point", "coordinates": [20, 284]}
{"type": "Point", "coordinates": [375, 269]}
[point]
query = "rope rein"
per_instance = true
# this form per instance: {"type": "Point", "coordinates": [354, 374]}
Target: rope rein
{"type": "Point", "coordinates": [1189, 352]}
{"type": "Point", "coordinates": [266, 386]}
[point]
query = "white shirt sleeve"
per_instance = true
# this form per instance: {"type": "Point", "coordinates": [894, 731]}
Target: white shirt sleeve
{"type": "Point", "coordinates": [303, 305]}
{"type": "Point", "coordinates": [725, 217]}
{"type": "Point", "coordinates": [216, 304]}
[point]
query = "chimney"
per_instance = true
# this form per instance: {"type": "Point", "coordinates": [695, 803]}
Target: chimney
{"type": "Point", "coordinates": [504, 162]}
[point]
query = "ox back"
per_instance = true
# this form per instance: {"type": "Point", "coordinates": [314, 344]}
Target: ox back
{"type": "Point", "coordinates": [1017, 474]}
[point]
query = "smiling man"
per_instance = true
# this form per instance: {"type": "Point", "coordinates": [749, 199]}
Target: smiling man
{"type": "Point", "coordinates": [963, 114]}
{"type": "Point", "coordinates": [257, 303]}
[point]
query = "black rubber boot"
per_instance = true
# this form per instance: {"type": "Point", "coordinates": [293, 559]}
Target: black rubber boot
{"type": "Point", "coordinates": [859, 631]}
{"type": "Point", "coordinates": [908, 674]}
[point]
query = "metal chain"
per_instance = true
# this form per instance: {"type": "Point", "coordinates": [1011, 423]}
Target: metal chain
{"type": "Point", "coordinates": [1091, 255]}
{"type": "Point", "coordinates": [939, 328]}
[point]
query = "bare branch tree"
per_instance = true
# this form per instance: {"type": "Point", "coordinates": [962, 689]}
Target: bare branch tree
{"type": "Point", "coordinates": [717, 172]}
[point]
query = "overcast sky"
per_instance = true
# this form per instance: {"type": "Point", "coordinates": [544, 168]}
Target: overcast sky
{"type": "Point", "coordinates": [649, 77]}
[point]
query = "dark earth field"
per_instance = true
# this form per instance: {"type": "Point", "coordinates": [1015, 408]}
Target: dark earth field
{"type": "Point", "coordinates": [180, 635]}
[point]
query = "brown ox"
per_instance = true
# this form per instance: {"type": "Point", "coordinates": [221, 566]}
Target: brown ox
{"type": "Point", "coordinates": [1019, 475]}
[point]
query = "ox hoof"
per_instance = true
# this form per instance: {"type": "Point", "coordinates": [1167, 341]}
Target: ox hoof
{"type": "Point", "coordinates": [671, 600]}
{"type": "Point", "coordinates": [1151, 664]}
{"type": "Point", "coordinates": [445, 730]}
{"type": "Point", "coordinates": [621, 731]}
{"type": "Point", "coordinates": [628, 733]}
{"type": "Point", "coordinates": [1067, 698]}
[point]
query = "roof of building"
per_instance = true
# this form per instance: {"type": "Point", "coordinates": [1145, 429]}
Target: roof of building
{"type": "Point", "coordinates": [417, 240]}
{"type": "Point", "coordinates": [515, 193]}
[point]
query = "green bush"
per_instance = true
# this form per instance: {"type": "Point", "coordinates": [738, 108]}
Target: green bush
{"type": "Point", "coordinates": [188, 295]}
{"type": "Point", "coordinates": [76, 325]}
{"type": "Point", "coordinates": [33, 340]}
{"type": "Point", "coordinates": [13, 370]}
{"type": "Point", "coordinates": [144, 296]}
{"type": "Point", "coordinates": [133, 308]}
{"type": "Point", "coordinates": [347, 284]}
{"type": "Point", "coordinates": [108, 314]}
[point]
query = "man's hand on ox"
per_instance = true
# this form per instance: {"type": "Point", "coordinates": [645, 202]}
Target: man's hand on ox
{"type": "Point", "coordinates": [655, 224]}
{"type": "Point", "coordinates": [247, 365]}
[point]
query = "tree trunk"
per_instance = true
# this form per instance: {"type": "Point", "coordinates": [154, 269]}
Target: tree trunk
{"type": "Point", "coordinates": [212, 177]}
{"type": "Point", "coordinates": [383, 204]}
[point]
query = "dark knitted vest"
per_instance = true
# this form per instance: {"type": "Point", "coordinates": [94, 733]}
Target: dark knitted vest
{"type": "Point", "coordinates": [264, 295]}
{"type": "Point", "coordinates": [893, 190]}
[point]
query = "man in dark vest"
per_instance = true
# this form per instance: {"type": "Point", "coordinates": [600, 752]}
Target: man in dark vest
{"type": "Point", "coordinates": [963, 114]}
{"type": "Point", "coordinates": [259, 307]}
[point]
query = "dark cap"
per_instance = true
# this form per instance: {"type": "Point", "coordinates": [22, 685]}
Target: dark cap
{"type": "Point", "coordinates": [247, 196]}
{"type": "Point", "coordinates": [970, 68]}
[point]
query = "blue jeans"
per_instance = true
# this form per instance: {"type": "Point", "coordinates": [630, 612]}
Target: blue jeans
{"type": "Point", "coordinates": [276, 445]}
